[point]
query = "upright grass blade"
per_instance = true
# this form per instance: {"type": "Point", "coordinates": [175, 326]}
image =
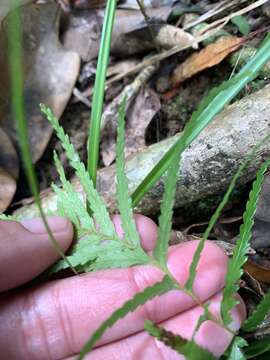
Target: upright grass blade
{"type": "Point", "coordinates": [99, 89]}
{"type": "Point", "coordinates": [215, 216]}
{"type": "Point", "coordinates": [17, 103]}
{"type": "Point", "coordinates": [207, 110]}
{"type": "Point", "coordinates": [123, 199]}
{"type": "Point", "coordinates": [235, 267]}
{"type": "Point", "coordinates": [165, 219]}
{"type": "Point", "coordinates": [139, 299]}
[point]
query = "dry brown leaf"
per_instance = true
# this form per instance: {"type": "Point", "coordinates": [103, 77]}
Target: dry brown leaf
{"type": "Point", "coordinates": [138, 117]}
{"type": "Point", "coordinates": [83, 32]}
{"type": "Point", "coordinates": [258, 270]}
{"type": "Point", "coordinates": [50, 73]}
{"type": "Point", "coordinates": [211, 55]}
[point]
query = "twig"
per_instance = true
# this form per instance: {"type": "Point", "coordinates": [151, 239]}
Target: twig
{"type": "Point", "coordinates": [149, 25]}
{"type": "Point", "coordinates": [129, 92]}
{"type": "Point", "coordinates": [216, 10]}
{"type": "Point", "coordinates": [227, 18]}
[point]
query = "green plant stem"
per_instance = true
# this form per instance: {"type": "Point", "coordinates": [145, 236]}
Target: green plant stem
{"type": "Point", "coordinates": [99, 90]}
{"type": "Point", "coordinates": [17, 103]}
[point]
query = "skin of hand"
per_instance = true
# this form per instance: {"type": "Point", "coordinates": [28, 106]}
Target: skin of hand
{"type": "Point", "coordinates": [53, 320]}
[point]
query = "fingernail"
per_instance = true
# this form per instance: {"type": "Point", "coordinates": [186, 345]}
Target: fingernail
{"type": "Point", "coordinates": [57, 224]}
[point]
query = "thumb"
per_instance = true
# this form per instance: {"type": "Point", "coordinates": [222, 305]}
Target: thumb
{"type": "Point", "coordinates": [26, 249]}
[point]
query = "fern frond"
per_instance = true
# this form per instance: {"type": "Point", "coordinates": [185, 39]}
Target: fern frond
{"type": "Point", "coordinates": [123, 199]}
{"type": "Point", "coordinates": [96, 204]}
{"type": "Point", "coordinates": [258, 347]}
{"type": "Point", "coordinates": [235, 266]}
{"type": "Point", "coordinates": [165, 219]}
{"type": "Point", "coordinates": [235, 351]}
{"type": "Point", "coordinates": [189, 349]}
{"type": "Point", "coordinates": [216, 215]}
{"type": "Point", "coordinates": [258, 315]}
{"type": "Point", "coordinates": [139, 299]}
{"type": "Point", "coordinates": [72, 205]}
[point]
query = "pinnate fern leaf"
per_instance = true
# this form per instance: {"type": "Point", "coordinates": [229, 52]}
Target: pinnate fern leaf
{"type": "Point", "coordinates": [98, 246]}
{"type": "Point", "coordinates": [216, 215]}
{"type": "Point", "coordinates": [235, 267]}
{"type": "Point", "coordinates": [96, 204]}
{"type": "Point", "coordinates": [139, 299]}
{"type": "Point", "coordinates": [165, 219]}
{"type": "Point", "coordinates": [258, 315]}
{"type": "Point", "coordinates": [189, 349]}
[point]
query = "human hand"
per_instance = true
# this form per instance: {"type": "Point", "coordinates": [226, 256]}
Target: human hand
{"type": "Point", "coordinates": [55, 319]}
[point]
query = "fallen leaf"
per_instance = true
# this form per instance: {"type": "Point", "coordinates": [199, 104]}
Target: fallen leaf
{"type": "Point", "coordinates": [82, 32]}
{"type": "Point", "coordinates": [50, 73]}
{"type": "Point", "coordinates": [138, 117]}
{"type": "Point", "coordinates": [211, 55]}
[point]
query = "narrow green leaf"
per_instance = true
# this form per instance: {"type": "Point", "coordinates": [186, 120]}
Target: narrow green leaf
{"type": "Point", "coordinates": [257, 348]}
{"type": "Point", "coordinates": [235, 267]}
{"type": "Point", "coordinates": [123, 198]}
{"type": "Point", "coordinates": [74, 207]}
{"type": "Point", "coordinates": [216, 215]}
{"type": "Point", "coordinates": [96, 203]}
{"type": "Point", "coordinates": [18, 108]}
{"type": "Point", "coordinates": [207, 110]}
{"type": "Point", "coordinates": [235, 351]}
{"type": "Point", "coordinates": [165, 219]}
{"type": "Point", "coordinates": [242, 24]}
{"type": "Point", "coordinates": [258, 315]}
{"type": "Point", "coordinates": [139, 299]}
{"type": "Point", "coordinates": [189, 349]}
{"type": "Point", "coordinates": [99, 89]}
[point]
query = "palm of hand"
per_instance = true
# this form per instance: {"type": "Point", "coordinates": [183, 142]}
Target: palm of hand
{"type": "Point", "coordinates": [54, 320]}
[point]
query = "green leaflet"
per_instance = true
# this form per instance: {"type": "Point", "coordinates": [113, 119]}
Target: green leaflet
{"type": "Point", "coordinates": [235, 269]}
{"type": "Point", "coordinates": [258, 315]}
{"type": "Point", "coordinates": [123, 199]}
{"type": "Point", "coordinates": [208, 108]}
{"type": "Point", "coordinates": [189, 349]}
{"type": "Point", "coordinates": [71, 203]}
{"type": "Point", "coordinates": [241, 22]}
{"type": "Point", "coordinates": [257, 348]}
{"type": "Point", "coordinates": [139, 299]}
{"type": "Point", "coordinates": [98, 247]}
{"type": "Point", "coordinates": [96, 204]}
{"type": "Point", "coordinates": [235, 351]}
{"type": "Point", "coordinates": [99, 89]}
{"type": "Point", "coordinates": [165, 219]}
{"type": "Point", "coordinates": [216, 215]}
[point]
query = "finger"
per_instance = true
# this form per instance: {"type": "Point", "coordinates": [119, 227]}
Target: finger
{"type": "Point", "coordinates": [58, 318]}
{"type": "Point", "coordinates": [146, 227]}
{"type": "Point", "coordinates": [210, 336]}
{"type": "Point", "coordinates": [26, 250]}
